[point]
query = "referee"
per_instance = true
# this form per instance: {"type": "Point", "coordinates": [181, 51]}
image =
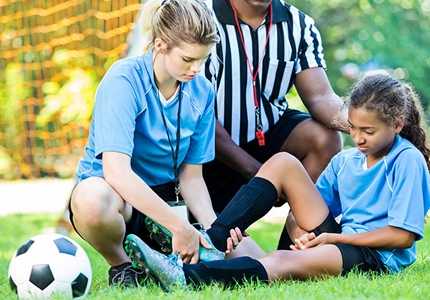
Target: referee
{"type": "Point", "coordinates": [266, 48]}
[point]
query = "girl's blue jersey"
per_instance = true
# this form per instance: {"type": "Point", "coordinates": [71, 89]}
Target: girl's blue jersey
{"type": "Point", "coordinates": [395, 192]}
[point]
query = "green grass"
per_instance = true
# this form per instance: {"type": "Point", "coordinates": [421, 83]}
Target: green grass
{"type": "Point", "coordinates": [413, 283]}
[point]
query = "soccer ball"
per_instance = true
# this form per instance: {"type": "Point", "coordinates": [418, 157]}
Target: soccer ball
{"type": "Point", "coordinates": [50, 265]}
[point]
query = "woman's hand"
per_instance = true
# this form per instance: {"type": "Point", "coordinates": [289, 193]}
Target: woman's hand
{"type": "Point", "coordinates": [186, 241]}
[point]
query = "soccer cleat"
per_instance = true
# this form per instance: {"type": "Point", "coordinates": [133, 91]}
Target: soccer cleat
{"type": "Point", "coordinates": [209, 254]}
{"type": "Point", "coordinates": [164, 238]}
{"type": "Point", "coordinates": [160, 234]}
{"type": "Point", "coordinates": [166, 270]}
{"type": "Point", "coordinates": [125, 275]}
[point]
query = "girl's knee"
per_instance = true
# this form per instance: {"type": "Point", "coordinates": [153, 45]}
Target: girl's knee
{"type": "Point", "coordinates": [278, 167]}
{"type": "Point", "coordinates": [282, 160]}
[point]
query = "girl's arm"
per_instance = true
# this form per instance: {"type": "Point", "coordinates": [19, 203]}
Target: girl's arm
{"type": "Point", "coordinates": [118, 173]}
{"type": "Point", "coordinates": [195, 192]}
{"type": "Point", "coordinates": [388, 237]}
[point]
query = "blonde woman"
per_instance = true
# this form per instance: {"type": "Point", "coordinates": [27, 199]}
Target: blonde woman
{"type": "Point", "coordinates": [152, 129]}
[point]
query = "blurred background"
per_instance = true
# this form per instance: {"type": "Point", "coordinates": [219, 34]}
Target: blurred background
{"type": "Point", "coordinates": [54, 53]}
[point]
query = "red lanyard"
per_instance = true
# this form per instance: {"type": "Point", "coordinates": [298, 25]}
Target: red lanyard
{"type": "Point", "coordinates": [259, 128]}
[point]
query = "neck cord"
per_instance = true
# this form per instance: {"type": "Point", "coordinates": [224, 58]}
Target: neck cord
{"type": "Point", "coordinates": [175, 152]}
{"type": "Point", "coordinates": [259, 128]}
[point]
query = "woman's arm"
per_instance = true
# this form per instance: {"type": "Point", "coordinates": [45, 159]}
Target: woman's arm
{"type": "Point", "coordinates": [118, 173]}
{"type": "Point", "coordinates": [194, 191]}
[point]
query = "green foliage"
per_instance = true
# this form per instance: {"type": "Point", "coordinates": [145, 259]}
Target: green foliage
{"type": "Point", "coordinates": [361, 36]}
{"type": "Point", "coordinates": [57, 119]}
{"type": "Point", "coordinates": [71, 98]}
{"type": "Point", "coordinates": [71, 102]}
{"type": "Point", "coordinates": [410, 284]}
{"type": "Point", "coordinates": [11, 94]}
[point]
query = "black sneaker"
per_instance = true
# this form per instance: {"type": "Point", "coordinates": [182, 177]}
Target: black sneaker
{"type": "Point", "coordinates": [125, 275]}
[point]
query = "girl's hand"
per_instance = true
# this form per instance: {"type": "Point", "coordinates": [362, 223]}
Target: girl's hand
{"type": "Point", "coordinates": [235, 238]}
{"type": "Point", "coordinates": [310, 240]}
{"type": "Point", "coordinates": [323, 238]}
{"type": "Point", "coordinates": [303, 241]}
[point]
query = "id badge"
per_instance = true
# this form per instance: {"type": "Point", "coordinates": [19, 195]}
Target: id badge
{"type": "Point", "coordinates": [180, 207]}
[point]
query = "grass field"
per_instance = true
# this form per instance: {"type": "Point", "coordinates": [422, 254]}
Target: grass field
{"type": "Point", "coordinates": [413, 283]}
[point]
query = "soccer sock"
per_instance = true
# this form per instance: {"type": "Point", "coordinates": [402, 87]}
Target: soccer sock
{"type": "Point", "coordinates": [285, 240]}
{"type": "Point", "coordinates": [251, 202]}
{"type": "Point", "coordinates": [229, 271]}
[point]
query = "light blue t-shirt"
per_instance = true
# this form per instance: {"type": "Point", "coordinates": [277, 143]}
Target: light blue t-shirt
{"type": "Point", "coordinates": [395, 191]}
{"type": "Point", "coordinates": [127, 119]}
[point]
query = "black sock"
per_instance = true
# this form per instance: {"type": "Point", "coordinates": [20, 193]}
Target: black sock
{"type": "Point", "coordinates": [251, 202]}
{"type": "Point", "coordinates": [285, 240]}
{"type": "Point", "coordinates": [228, 271]}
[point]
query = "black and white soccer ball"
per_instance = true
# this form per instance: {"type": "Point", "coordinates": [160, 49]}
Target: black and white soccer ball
{"type": "Point", "coordinates": [50, 265]}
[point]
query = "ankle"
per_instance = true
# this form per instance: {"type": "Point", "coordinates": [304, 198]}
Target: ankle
{"type": "Point", "coordinates": [217, 234]}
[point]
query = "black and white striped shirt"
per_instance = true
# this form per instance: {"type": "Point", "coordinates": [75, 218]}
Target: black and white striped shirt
{"type": "Point", "coordinates": [294, 45]}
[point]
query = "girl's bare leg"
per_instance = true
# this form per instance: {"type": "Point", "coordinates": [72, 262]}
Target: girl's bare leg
{"type": "Point", "coordinates": [247, 247]}
{"type": "Point", "coordinates": [302, 264]}
{"type": "Point", "coordinates": [290, 178]}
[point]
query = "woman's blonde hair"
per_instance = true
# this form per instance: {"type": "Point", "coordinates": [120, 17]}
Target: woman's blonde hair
{"type": "Point", "coordinates": [176, 21]}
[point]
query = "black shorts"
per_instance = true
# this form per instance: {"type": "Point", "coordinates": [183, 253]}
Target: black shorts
{"type": "Point", "coordinates": [223, 182]}
{"type": "Point", "coordinates": [136, 224]}
{"type": "Point", "coordinates": [361, 259]}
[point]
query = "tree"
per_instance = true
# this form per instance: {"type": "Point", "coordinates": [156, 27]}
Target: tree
{"type": "Point", "coordinates": [362, 35]}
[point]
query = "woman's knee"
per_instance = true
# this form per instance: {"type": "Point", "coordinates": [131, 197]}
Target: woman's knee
{"type": "Point", "coordinates": [93, 200]}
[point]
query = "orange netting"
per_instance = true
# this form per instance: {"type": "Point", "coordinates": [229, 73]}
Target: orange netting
{"type": "Point", "coordinates": [53, 54]}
